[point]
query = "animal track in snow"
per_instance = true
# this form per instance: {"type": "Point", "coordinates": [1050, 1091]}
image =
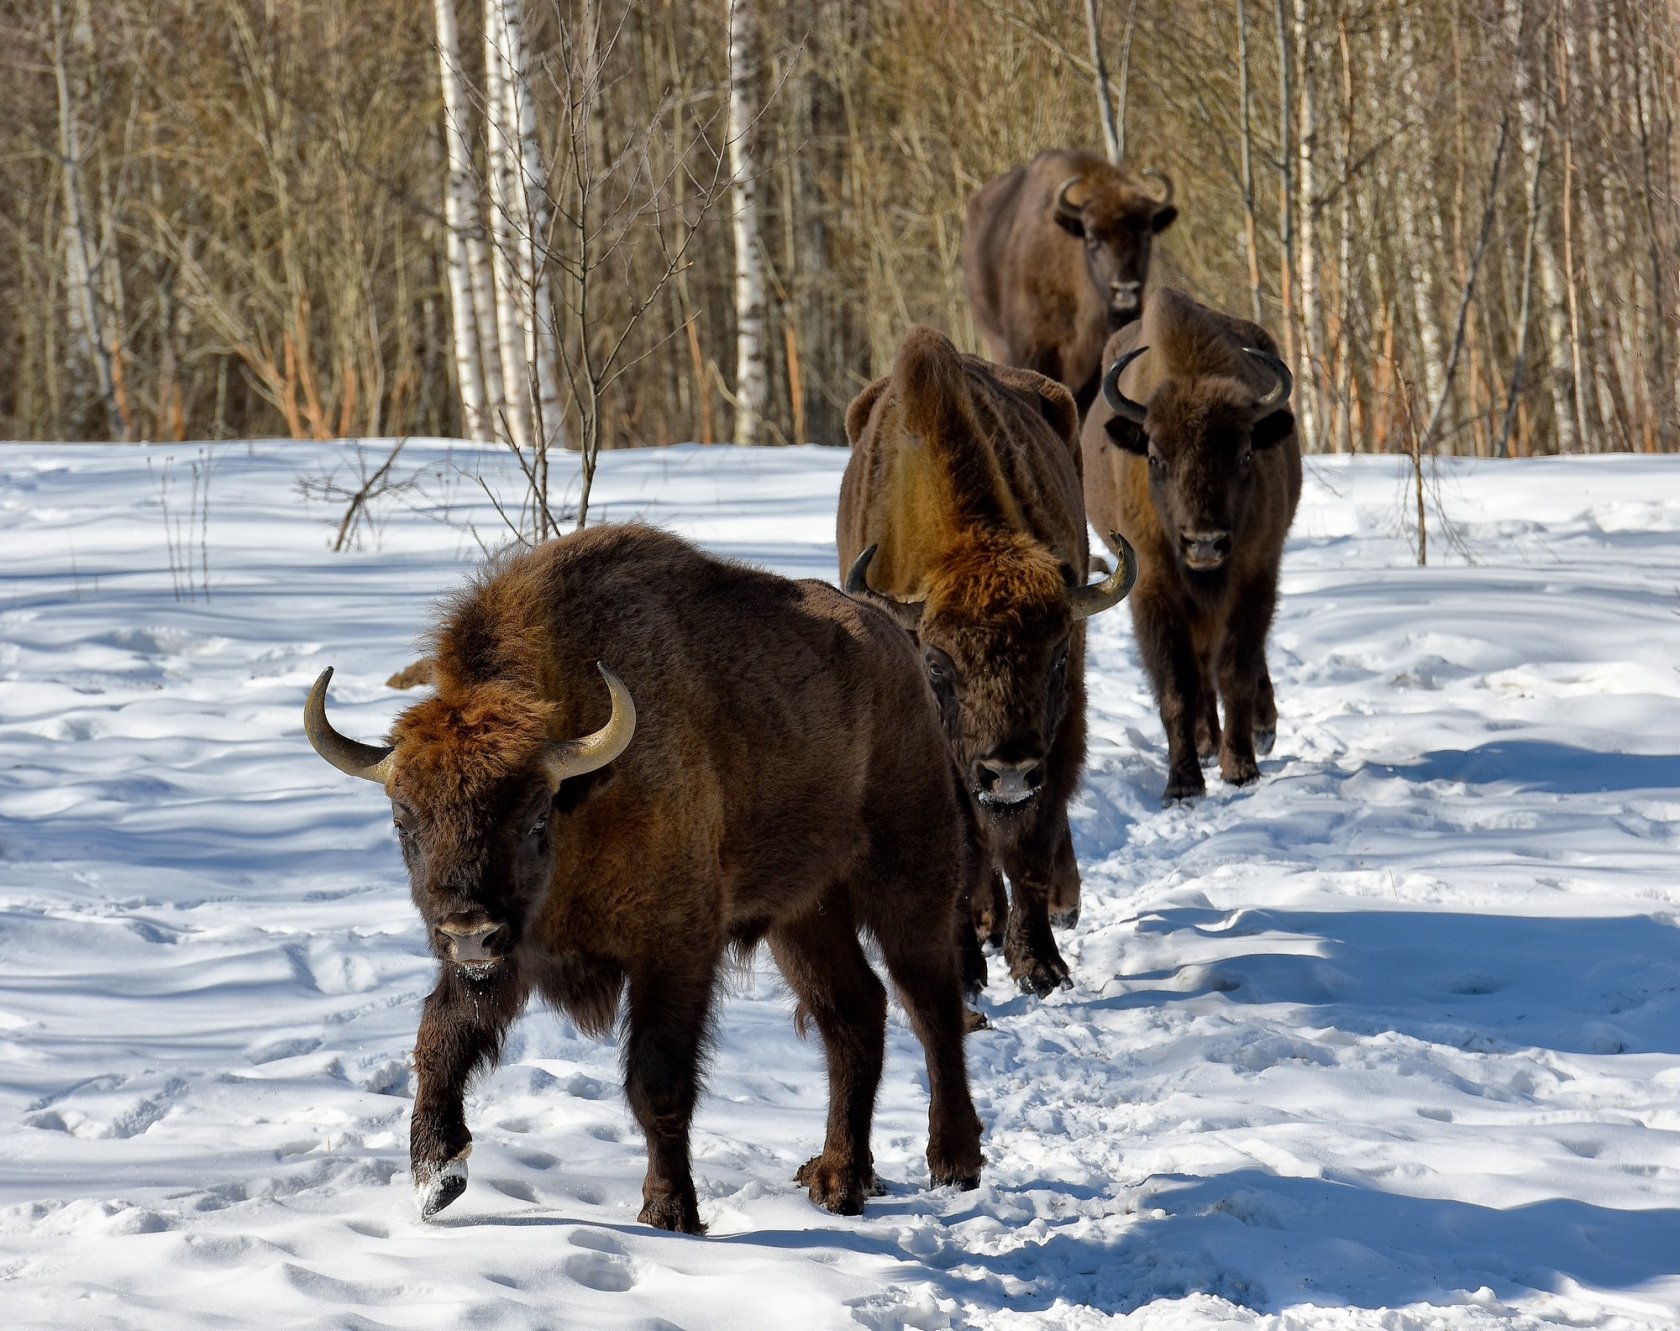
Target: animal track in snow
{"type": "Point", "coordinates": [601, 1265]}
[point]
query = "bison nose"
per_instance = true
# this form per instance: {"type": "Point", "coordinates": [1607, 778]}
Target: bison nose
{"type": "Point", "coordinates": [1205, 549]}
{"type": "Point", "coordinates": [1125, 295]}
{"type": "Point", "coordinates": [1000, 781]}
{"type": "Point", "coordinates": [471, 938]}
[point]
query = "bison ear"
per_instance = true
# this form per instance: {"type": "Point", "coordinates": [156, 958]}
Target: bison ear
{"type": "Point", "coordinates": [1269, 431]}
{"type": "Point", "coordinates": [1164, 217]}
{"type": "Point", "coordinates": [1129, 436]}
{"type": "Point", "coordinates": [857, 413]}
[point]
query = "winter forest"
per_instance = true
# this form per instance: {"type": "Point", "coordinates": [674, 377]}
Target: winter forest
{"type": "Point", "coordinates": [607, 224]}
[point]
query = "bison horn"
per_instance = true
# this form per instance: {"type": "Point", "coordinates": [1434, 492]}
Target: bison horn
{"type": "Point", "coordinates": [367, 761]}
{"type": "Point", "coordinates": [1118, 401]}
{"type": "Point", "coordinates": [1279, 392]}
{"type": "Point", "coordinates": [1166, 193]}
{"type": "Point", "coordinates": [574, 757]}
{"type": "Point", "coordinates": [907, 613]}
{"type": "Point", "coordinates": [1105, 595]}
{"type": "Point", "coordinates": [1065, 207]}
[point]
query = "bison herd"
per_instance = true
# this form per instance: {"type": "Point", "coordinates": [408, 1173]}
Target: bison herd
{"type": "Point", "coordinates": [638, 758]}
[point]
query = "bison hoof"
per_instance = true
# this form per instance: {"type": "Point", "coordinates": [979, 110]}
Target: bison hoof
{"type": "Point", "coordinates": [1239, 771]}
{"type": "Point", "coordinates": [679, 1215]}
{"type": "Point", "coordinates": [837, 1188]}
{"type": "Point", "coordinates": [958, 1172]}
{"type": "Point", "coordinates": [1044, 977]}
{"type": "Point", "coordinates": [975, 1020]}
{"type": "Point", "coordinates": [1184, 786]}
{"type": "Point", "coordinates": [1263, 741]}
{"type": "Point", "coordinates": [1065, 919]}
{"type": "Point", "coordinates": [435, 1188]}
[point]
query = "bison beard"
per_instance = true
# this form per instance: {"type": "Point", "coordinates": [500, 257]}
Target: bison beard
{"type": "Point", "coordinates": [961, 513]}
{"type": "Point", "coordinates": [630, 860]}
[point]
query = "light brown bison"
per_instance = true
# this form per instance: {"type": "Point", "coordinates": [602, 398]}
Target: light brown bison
{"type": "Point", "coordinates": [1192, 456]}
{"type": "Point", "coordinates": [961, 510]}
{"type": "Point", "coordinates": [1055, 255]}
{"type": "Point", "coordinates": [771, 779]}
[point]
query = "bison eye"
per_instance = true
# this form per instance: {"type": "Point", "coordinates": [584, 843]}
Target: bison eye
{"type": "Point", "coordinates": [1156, 463]}
{"type": "Point", "coordinates": [540, 826]}
{"type": "Point", "coordinates": [1246, 460]}
{"type": "Point", "coordinates": [941, 673]}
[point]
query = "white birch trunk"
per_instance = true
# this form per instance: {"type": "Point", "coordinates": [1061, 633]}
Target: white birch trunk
{"type": "Point", "coordinates": [752, 371]}
{"type": "Point", "coordinates": [1533, 134]}
{"type": "Point", "coordinates": [89, 344]}
{"type": "Point", "coordinates": [1312, 334]}
{"type": "Point", "coordinates": [530, 207]}
{"type": "Point", "coordinates": [506, 237]}
{"type": "Point", "coordinates": [1419, 265]}
{"type": "Point", "coordinates": [460, 216]}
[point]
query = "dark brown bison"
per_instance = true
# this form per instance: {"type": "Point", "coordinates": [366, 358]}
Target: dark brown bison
{"type": "Point", "coordinates": [1191, 455]}
{"type": "Point", "coordinates": [1055, 255]}
{"type": "Point", "coordinates": [961, 510]}
{"type": "Point", "coordinates": [770, 780]}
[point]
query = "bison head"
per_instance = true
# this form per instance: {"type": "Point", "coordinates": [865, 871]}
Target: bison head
{"type": "Point", "coordinates": [1200, 436]}
{"type": "Point", "coordinates": [1117, 224]}
{"type": "Point", "coordinates": [474, 783]}
{"type": "Point", "coordinates": [996, 634]}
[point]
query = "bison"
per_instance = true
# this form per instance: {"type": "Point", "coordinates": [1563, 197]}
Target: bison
{"type": "Point", "coordinates": [1192, 456]}
{"type": "Point", "coordinates": [762, 771]}
{"type": "Point", "coordinates": [1055, 255]}
{"type": "Point", "coordinates": [961, 511]}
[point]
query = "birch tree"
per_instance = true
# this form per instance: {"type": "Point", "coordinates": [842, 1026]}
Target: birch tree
{"type": "Point", "coordinates": [752, 369]}
{"type": "Point", "coordinates": [464, 246]}
{"type": "Point", "coordinates": [91, 343]}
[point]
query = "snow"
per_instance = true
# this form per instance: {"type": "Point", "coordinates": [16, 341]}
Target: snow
{"type": "Point", "coordinates": [1389, 1040]}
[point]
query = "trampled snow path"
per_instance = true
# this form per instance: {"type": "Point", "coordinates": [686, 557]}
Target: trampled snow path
{"type": "Point", "coordinates": [1390, 1040]}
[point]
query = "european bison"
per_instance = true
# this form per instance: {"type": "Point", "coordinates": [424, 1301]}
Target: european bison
{"type": "Point", "coordinates": [961, 511]}
{"type": "Point", "coordinates": [770, 780]}
{"type": "Point", "coordinates": [1192, 456]}
{"type": "Point", "coordinates": [1055, 255]}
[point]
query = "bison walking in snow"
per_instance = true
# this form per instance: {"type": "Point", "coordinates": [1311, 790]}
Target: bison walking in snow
{"type": "Point", "coordinates": [961, 511]}
{"type": "Point", "coordinates": [762, 771]}
{"type": "Point", "coordinates": [1055, 256]}
{"type": "Point", "coordinates": [1192, 456]}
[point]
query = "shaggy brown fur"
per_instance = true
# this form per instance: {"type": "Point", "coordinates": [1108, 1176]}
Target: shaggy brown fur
{"type": "Point", "coordinates": [965, 476]}
{"type": "Point", "coordinates": [1046, 288]}
{"type": "Point", "coordinates": [1203, 464]}
{"type": "Point", "coordinates": [778, 785]}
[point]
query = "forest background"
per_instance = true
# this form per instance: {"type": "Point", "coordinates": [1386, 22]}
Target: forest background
{"type": "Point", "coordinates": [703, 220]}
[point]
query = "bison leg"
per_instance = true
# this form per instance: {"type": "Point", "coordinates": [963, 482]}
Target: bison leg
{"type": "Point", "coordinates": [1242, 665]}
{"type": "Point", "coordinates": [1208, 734]}
{"type": "Point", "coordinates": [461, 1030]}
{"type": "Point", "coordinates": [669, 1014]}
{"type": "Point", "coordinates": [1265, 713]}
{"type": "Point", "coordinates": [1029, 945]}
{"type": "Point", "coordinates": [818, 953]}
{"type": "Point", "coordinates": [925, 977]}
{"type": "Point", "coordinates": [991, 909]}
{"type": "Point", "coordinates": [1170, 658]}
{"type": "Point", "coordinates": [1064, 883]}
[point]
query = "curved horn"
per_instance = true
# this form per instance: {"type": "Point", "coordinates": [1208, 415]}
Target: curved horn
{"type": "Point", "coordinates": [368, 761]}
{"type": "Point", "coordinates": [1122, 405]}
{"type": "Point", "coordinates": [1280, 391]}
{"type": "Point", "coordinates": [1064, 206]}
{"type": "Point", "coordinates": [1104, 595]}
{"type": "Point", "coordinates": [1166, 194]}
{"type": "Point", "coordinates": [907, 613]}
{"type": "Point", "coordinates": [574, 757]}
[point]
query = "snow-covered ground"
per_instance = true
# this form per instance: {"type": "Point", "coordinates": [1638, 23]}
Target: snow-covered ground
{"type": "Point", "coordinates": [1390, 1040]}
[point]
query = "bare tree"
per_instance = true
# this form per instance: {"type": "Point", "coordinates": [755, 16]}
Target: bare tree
{"type": "Point", "coordinates": [752, 380]}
